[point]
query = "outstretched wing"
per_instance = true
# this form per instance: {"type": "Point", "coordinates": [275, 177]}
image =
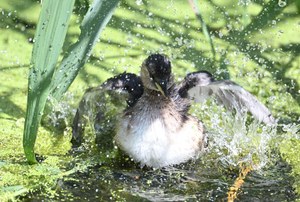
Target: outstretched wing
{"type": "Point", "coordinates": [198, 86]}
{"type": "Point", "coordinates": [99, 105]}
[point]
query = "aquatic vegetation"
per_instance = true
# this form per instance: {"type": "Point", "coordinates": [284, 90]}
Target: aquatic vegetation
{"type": "Point", "coordinates": [256, 45]}
{"type": "Point", "coordinates": [50, 35]}
{"type": "Point", "coordinates": [44, 78]}
{"type": "Point", "coordinates": [289, 149]}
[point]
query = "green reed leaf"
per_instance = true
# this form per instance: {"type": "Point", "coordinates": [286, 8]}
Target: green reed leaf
{"type": "Point", "coordinates": [49, 39]}
{"type": "Point", "coordinates": [92, 25]}
{"type": "Point", "coordinates": [196, 9]}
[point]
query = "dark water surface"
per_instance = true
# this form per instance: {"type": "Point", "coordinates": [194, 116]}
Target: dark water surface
{"type": "Point", "coordinates": [194, 181]}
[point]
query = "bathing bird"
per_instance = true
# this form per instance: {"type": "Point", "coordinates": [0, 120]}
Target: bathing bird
{"type": "Point", "coordinates": [152, 123]}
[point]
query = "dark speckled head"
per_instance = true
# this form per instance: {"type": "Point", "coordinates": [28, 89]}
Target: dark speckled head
{"type": "Point", "coordinates": [158, 66]}
{"type": "Point", "coordinates": [200, 78]}
{"type": "Point", "coordinates": [156, 73]}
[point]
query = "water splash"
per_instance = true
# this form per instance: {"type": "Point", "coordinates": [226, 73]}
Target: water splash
{"type": "Point", "coordinates": [235, 140]}
{"type": "Point", "coordinates": [59, 115]}
{"type": "Point", "coordinates": [232, 141]}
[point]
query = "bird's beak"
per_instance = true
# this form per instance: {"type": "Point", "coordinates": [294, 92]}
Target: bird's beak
{"type": "Point", "coordinates": [162, 87]}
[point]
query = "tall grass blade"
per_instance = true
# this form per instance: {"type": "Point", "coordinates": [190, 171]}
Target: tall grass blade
{"type": "Point", "coordinates": [92, 25]}
{"type": "Point", "coordinates": [49, 38]}
{"type": "Point", "coordinates": [196, 9]}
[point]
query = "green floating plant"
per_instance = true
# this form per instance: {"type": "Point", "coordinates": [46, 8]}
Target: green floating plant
{"type": "Point", "coordinates": [44, 77]}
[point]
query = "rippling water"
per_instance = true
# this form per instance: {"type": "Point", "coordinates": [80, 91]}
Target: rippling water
{"type": "Point", "coordinates": [233, 143]}
{"type": "Point", "coordinates": [195, 181]}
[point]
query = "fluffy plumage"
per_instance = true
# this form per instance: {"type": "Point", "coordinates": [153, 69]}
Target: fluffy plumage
{"type": "Point", "coordinates": [155, 128]}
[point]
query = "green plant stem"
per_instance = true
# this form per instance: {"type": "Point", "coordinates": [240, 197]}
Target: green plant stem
{"type": "Point", "coordinates": [92, 25]}
{"type": "Point", "coordinates": [196, 9]}
{"type": "Point", "coordinates": [49, 38]}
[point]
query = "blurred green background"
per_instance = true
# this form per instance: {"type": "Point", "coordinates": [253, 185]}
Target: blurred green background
{"type": "Point", "coordinates": [257, 45]}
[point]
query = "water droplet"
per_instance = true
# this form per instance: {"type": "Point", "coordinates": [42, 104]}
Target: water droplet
{"type": "Point", "coordinates": [282, 3]}
{"type": "Point", "coordinates": [261, 60]}
{"type": "Point", "coordinates": [129, 40]}
{"type": "Point", "coordinates": [139, 2]}
{"type": "Point", "coordinates": [179, 41]}
{"type": "Point", "coordinates": [31, 40]}
{"type": "Point", "coordinates": [220, 34]}
{"type": "Point", "coordinates": [226, 62]}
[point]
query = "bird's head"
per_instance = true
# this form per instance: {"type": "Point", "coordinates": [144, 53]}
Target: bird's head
{"type": "Point", "coordinates": [200, 78]}
{"type": "Point", "coordinates": [156, 73]}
